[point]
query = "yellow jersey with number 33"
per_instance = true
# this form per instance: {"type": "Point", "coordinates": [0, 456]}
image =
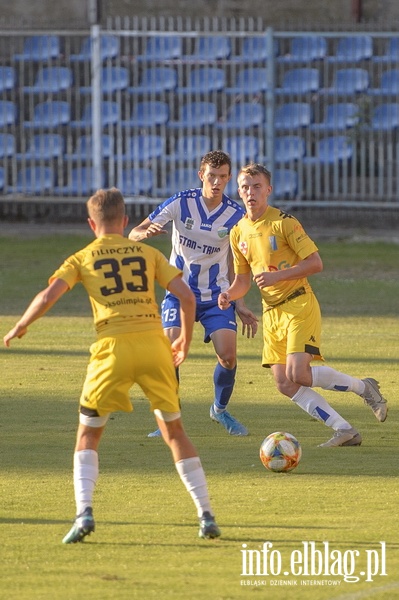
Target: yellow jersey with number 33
{"type": "Point", "coordinates": [119, 276]}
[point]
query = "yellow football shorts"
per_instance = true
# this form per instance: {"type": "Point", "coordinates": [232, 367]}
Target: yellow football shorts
{"type": "Point", "coordinates": [294, 326]}
{"type": "Point", "coordinates": [116, 363]}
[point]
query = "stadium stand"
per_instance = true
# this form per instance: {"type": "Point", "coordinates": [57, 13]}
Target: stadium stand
{"type": "Point", "coordinates": [204, 80]}
{"type": "Point", "coordinates": [162, 48]}
{"type": "Point", "coordinates": [353, 49]}
{"type": "Point", "coordinates": [338, 116]}
{"type": "Point", "coordinates": [249, 81]}
{"type": "Point", "coordinates": [305, 49]}
{"type": "Point", "coordinates": [109, 48]}
{"type": "Point", "coordinates": [148, 114]}
{"type": "Point", "coordinates": [34, 181]}
{"type": "Point", "coordinates": [243, 115]}
{"type": "Point", "coordinates": [49, 115]}
{"type": "Point", "coordinates": [143, 148]}
{"type": "Point", "coordinates": [39, 48]}
{"type": "Point", "coordinates": [136, 182]}
{"type": "Point", "coordinates": [209, 49]}
{"type": "Point", "coordinates": [113, 79]}
{"type": "Point", "coordinates": [195, 115]}
{"type": "Point", "coordinates": [156, 80]}
{"type": "Point", "coordinates": [300, 81]}
{"type": "Point", "coordinates": [50, 80]}
{"type": "Point", "coordinates": [110, 115]}
{"type": "Point", "coordinates": [44, 146]}
{"type": "Point", "coordinates": [293, 115]}
{"type": "Point", "coordinates": [83, 148]}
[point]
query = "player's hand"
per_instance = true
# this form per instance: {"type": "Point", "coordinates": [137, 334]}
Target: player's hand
{"type": "Point", "coordinates": [179, 351]}
{"type": "Point", "coordinates": [154, 229]}
{"type": "Point", "coordinates": [264, 279]}
{"type": "Point", "coordinates": [15, 332]}
{"type": "Point", "coordinates": [224, 301]}
{"type": "Point", "coordinates": [249, 321]}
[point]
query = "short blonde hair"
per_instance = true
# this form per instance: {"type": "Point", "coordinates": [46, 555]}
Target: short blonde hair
{"type": "Point", "coordinates": [255, 169]}
{"type": "Point", "coordinates": [106, 206]}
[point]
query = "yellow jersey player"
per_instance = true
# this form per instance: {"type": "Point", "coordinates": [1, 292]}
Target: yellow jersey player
{"type": "Point", "coordinates": [273, 246]}
{"type": "Point", "coordinates": [119, 277]}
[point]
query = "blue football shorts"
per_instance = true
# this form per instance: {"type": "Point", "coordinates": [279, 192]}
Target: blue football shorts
{"type": "Point", "coordinates": [211, 317]}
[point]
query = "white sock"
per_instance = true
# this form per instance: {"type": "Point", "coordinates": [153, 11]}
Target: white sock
{"type": "Point", "coordinates": [85, 474]}
{"type": "Point", "coordinates": [193, 476]}
{"type": "Point", "coordinates": [330, 379]}
{"type": "Point", "coordinates": [316, 406]}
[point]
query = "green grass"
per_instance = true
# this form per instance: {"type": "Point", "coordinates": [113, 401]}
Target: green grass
{"type": "Point", "coordinates": [146, 543]}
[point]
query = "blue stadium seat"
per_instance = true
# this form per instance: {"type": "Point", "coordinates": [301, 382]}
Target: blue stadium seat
{"type": "Point", "coordinates": [255, 50]}
{"type": "Point", "coordinates": [338, 116]}
{"type": "Point", "coordinates": [242, 148]}
{"type": "Point", "coordinates": [293, 115]}
{"type": "Point", "coordinates": [148, 114]}
{"type": "Point", "coordinates": [347, 82]}
{"type": "Point", "coordinates": [109, 48]}
{"type": "Point", "coordinates": [207, 48]}
{"type": "Point", "coordinates": [83, 149]}
{"type": "Point", "coordinates": [285, 184]}
{"type": "Point", "coordinates": [45, 146]}
{"type": "Point", "coordinates": [331, 150]}
{"type": "Point", "coordinates": [251, 80]}
{"type": "Point", "coordinates": [389, 84]}
{"type": "Point", "coordinates": [7, 79]}
{"type": "Point", "coordinates": [385, 117]}
{"type": "Point", "coordinates": [289, 148]}
{"type": "Point", "coordinates": [190, 148]}
{"type": "Point", "coordinates": [110, 115]}
{"type": "Point", "coordinates": [353, 49]}
{"type": "Point", "coordinates": [142, 148]}
{"type": "Point", "coordinates": [8, 113]}
{"type": "Point", "coordinates": [160, 48]}
{"type": "Point", "coordinates": [51, 80]}
{"type": "Point", "coordinates": [300, 81]}
{"type": "Point", "coordinates": [34, 181]}
{"type": "Point", "coordinates": [7, 145]}
{"type": "Point", "coordinates": [136, 182]}
{"type": "Point", "coordinates": [155, 80]}
{"type": "Point", "coordinates": [39, 48]}
{"type": "Point", "coordinates": [49, 115]}
{"type": "Point", "coordinates": [391, 54]}
{"type": "Point", "coordinates": [81, 182]}
{"type": "Point", "coordinates": [306, 49]}
{"type": "Point", "coordinates": [195, 115]}
{"type": "Point", "coordinates": [204, 80]}
{"type": "Point", "coordinates": [113, 79]}
{"type": "Point", "coordinates": [243, 115]}
{"type": "Point", "coordinates": [2, 178]}
{"type": "Point", "coordinates": [180, 179]}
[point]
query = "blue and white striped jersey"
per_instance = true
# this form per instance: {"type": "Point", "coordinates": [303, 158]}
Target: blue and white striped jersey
{"type": "Point", "coordinates": [200, 240]}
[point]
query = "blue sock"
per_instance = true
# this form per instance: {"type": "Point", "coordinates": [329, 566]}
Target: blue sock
{"type": "Point", "coordinates": [223, 380]}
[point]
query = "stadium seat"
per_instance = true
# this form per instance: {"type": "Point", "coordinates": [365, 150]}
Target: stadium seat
{"type": "Point", "coordinates": [7, 145]}
{"type": "Point", "coordinates": [242, 149]}
{"type": "Point", "coordinates": [39, 48]}
{"type": "Point", "coordinates": [8, 113]}
{"type": "Point", "coordinates": [338, 116]}
{"type": "Point", "coordinates": [251, 80]}
{"type": "Point", "coordinates": [2, 178]}
{"type": "Point", "coordinates": [155, 80]}
{"type": "Point", "coordinates": [210, 49]}
{"type": "Point", "coordinates": [190, 148]}
{"type": "Point", "coordinates": [306, 49]}
{"type": "Point", "coordinates": [142, 148]}
{"type": "Point", "coordinates": [148, 114]}
{"type": "Point", "coordinates": [195, 115]}
{"type": "Point", "coordinates": [347, 82]}
{"type": "Point", "coordinates": [331, 150]}
{"type": "Point", "coordinates": [180, 179]}
{"type": "Point", "coordinates": [110, 115]}
{"type": "Point", "coordinates": [391, 54]}
{"type": "Point", "coordinates": [136, 182]}
{"type": "Point", "coordinates": [204, 80]}
{"type": "Point", "coordinates": [389, 84]}
{"type": "Point", "coordinates": [255, 50]}
{"type": "Point", "coordinates": [243, 115]}
{"type": "Point", "coordinates": [113, 79]}
{"type": "Point", "coordinates": [50, 114]}
{"type": "Point", "coordinates": [109, 48]}
{"type": "Point", "coordinates": [160, 48]}
{"type": "Point", "coordinates": [7, 79]}
{"type": "Point", "coordinates": [285, 184]}
{"type": "Point", "coordinates": [50, 80]}
{"type": "Point", "coordinates": [45, 146]}
{"type": "Point", "coordinates": [83, 150]}
{"type": "Point", "coordinates": [300, 81]}
{"type": "Point", "coordinates": [385, 117]}
{"type": "Point", "coordinates": [289, 148]}
{"type": "Point", "coordinates": [34, 181]}
{"type": "Point", "coordinates": [293, 115]}
{"type": "Point", "coordinates": [353, 49]}
{"type": "Point", "coordinates": [82, 182]}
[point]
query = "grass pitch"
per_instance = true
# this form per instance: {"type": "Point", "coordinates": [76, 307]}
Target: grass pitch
{"type": "Point", "coordinates": [342, 502]}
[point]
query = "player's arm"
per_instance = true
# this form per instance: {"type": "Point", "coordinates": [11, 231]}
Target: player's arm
{"type": "Point", "coordinates": [308, 266]}
{"type": "Point", "coordinates": [37, 308]}
{"type": "Point", "coordinates": [238, 289]}
{"type": "Point", "coordinates": [248, 319]}
{"type": "Point", "coordinates": [181, 345]}
{"type": "Point", "coordinates": [146, 229]}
